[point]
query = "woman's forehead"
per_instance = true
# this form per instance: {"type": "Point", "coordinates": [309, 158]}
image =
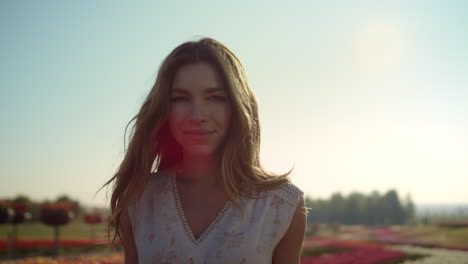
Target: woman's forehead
{"type": "Point", "coordinates": [197, 76]}
{"type": "Point", "coordinates": [204, 90]}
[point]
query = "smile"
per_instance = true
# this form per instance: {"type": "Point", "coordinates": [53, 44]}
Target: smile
{"type": "Point", "coordinates": [198, 136]}
{"type": "Point", "coordinates": [197, 132]}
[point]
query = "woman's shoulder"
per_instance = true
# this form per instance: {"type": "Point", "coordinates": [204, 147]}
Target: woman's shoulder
{"type": "Point", "coordinates": [158, 183]}
{"type": "Point", "coordinates": [288, 192]}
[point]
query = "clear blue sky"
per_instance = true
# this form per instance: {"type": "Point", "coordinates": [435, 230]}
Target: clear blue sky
{"type": "Point", "coordinates": [357, 97]}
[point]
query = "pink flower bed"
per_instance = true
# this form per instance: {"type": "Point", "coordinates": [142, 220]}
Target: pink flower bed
{"type": "Point", "coordinates": [48, 243]}
{"type": "Point", "coordinates": [110, 259]}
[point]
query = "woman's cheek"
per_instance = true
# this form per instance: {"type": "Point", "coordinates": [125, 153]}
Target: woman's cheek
{"type": "Point", "coordinates": [177, 113]}
{"type": "Point", "coordinates": [227, 114]}
{"type": "Point", "coordinates": [175, 121]}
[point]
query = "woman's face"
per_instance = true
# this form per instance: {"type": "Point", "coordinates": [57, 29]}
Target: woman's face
{"type": "Point", "coordinates": [200, 110]}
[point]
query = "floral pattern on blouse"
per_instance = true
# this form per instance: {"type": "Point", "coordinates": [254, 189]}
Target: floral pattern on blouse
{"type": "Point", "coordinates": [164, 256]}
{"type": "Point", "coordinates": [233, 239]}
{"type": "Point", "coordinates": [161, 237]}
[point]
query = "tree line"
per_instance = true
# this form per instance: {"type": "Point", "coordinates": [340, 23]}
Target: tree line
{"type": "Point", "coordinates": [34, 207]}
{"type": "Point", "coordinates": [374, 209]}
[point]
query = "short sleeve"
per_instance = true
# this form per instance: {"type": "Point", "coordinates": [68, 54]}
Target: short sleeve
{"type": "Point", "coordinates": [290, 193]}
{"type": "Point", "coordinates": [287, 197]}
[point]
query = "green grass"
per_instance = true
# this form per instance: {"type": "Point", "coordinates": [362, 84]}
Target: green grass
{"type": "Point", "coordinates": [74, 230]}
{"type": "Point", "coordinates": [409, 256]}
{"type": "Point", "coordinates": [441, 235]}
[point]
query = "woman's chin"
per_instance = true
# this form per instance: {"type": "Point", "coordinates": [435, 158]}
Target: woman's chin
{"type": "Point", "coordinates": [199, 151]}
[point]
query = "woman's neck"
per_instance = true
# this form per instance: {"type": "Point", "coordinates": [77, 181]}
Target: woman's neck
{"type": "Point", "coordinates": [200, 173]}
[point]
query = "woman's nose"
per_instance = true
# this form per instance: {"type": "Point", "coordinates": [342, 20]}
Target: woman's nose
{"type": "Point", "coordinates": [198, 111]}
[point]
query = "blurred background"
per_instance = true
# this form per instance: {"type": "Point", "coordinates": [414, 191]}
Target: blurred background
{"type": "Point", "coordinates": [366, 100]}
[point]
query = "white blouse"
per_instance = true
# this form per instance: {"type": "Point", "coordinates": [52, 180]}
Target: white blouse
{"type": "Point", "coordinates": [162, 234]}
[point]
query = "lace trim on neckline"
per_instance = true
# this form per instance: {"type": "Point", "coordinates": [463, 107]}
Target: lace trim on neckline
{"type": "Point", "coordinates": [180, 211]}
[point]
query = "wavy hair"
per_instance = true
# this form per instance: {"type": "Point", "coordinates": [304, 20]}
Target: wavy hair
{"type": "Point", "coordinates": [152, 148]}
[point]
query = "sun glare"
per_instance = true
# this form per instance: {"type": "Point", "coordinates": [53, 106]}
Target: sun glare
{"type": "Point", "coordinates": [378, 47]}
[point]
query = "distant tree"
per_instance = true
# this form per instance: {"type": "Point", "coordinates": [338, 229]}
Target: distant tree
{"type": "Point", "coordinates": [337, 205]}
{"type": "Point", "coordinates": [356, 208]}
{"type": "Point", "coordinates": [64, 198]}
{"type": "Point", "coordinates": [374, 210]}
{"type": "Point", "coordinates": [22, 199]}
{"type": "Point", "coordinates": [320, 211]}
{"type": "Point", "coordinates": [393, 211]}
{"type": "Point", "coordinates": [309, 203]}
{"type": "Point", "coordinates": [76, 204]}
{"type": "Point", "coordinates": [409, 209]}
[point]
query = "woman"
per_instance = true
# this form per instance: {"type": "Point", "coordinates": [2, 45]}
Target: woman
{"type": "Point", "coordinates": [191, 188]}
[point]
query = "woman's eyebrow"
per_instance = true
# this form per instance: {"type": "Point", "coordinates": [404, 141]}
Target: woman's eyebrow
{"type": "Point", "coordinates": [207, 90]}
{"type": "Point", "coordinates": [214, 90]}
{"type": "Point", "coordinates": [178, 90]}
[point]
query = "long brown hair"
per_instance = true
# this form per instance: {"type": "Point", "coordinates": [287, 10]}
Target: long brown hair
{"type": "Point", "coordinates": [152, 148]}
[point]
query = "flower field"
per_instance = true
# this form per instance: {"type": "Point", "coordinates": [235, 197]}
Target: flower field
{"type": "Point", "coordinates": [316, 251]}
{"type": "Point", "coordinates": [48, 243]}
{"type": "Point", "coordinates": [351, 244]}
{"type": "Point", "coordinates": [77, 250]}
{"type": "Point", "coordinates": [353, 252]}
{"type": "Point", "coordinates": [115, 258]}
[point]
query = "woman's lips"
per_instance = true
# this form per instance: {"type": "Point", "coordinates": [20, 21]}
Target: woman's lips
{"type": "Point", "coordinates": [197, 132]}
{"type": "Point", "coordinates": [197, 135]}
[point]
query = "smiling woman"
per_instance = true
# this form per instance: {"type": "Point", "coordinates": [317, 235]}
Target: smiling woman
{"type": "Point", "coordinates": [191, 188]}
{"type": "Point", "coordinates": [200, 112]}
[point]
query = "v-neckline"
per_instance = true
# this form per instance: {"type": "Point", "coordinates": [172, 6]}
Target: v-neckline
{"type": "Point", "coordinates": [188, 230]}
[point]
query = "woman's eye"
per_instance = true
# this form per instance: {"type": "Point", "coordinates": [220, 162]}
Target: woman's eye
{"type": "Point", "coordinates": [218, 98]}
